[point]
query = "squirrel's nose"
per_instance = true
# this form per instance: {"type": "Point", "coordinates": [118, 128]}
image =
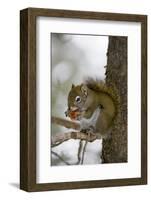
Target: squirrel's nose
{"type": "Point", "coordinates": [66, 113]}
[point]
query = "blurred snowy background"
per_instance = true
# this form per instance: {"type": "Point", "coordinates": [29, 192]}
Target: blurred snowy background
{"type": "Point", "coordinates": [73, 58]}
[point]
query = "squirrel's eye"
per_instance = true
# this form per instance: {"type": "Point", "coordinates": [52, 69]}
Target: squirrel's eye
{"type": "Point", "coordinates": [78, 99]}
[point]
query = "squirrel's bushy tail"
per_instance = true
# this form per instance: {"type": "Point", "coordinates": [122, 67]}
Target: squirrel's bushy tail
{"type": "Point", "coordinates": [100, 86]}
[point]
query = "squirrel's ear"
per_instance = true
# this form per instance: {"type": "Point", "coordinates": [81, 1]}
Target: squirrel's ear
{"type": "Point", "coordinates": [72, 86]}
{"type": "Point", "coordinates": [84, 89]}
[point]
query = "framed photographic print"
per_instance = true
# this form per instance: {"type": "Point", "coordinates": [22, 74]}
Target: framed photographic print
{"type": "Point", "coordinates": [83, 99]}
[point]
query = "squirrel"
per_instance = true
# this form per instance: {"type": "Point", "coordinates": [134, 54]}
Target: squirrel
{"type": "Point", "coordinates": [94, 105]}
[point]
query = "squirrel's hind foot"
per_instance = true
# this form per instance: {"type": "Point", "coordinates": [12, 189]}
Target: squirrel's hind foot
{"type": "Point", "coordinates": [91, 136]}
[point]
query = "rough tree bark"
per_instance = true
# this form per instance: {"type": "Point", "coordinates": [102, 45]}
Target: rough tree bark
{"type": "Point", "coordinates": [114, 150]}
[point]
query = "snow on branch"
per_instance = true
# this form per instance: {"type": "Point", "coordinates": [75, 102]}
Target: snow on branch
{"type": "Point", "coordinates": [65, 123]}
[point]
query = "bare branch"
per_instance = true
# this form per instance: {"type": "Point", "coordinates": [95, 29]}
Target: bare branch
{"type": "Point", "coordinates": [83, 153]}
{"type": "Point", "coordinates": [79, 152]}
{"type": "Point", "coordinates": [57, 155]}
{"type": "Point", "coordinates": [62, 137]}
{"type": "Point", "coordinates": [65, 123]}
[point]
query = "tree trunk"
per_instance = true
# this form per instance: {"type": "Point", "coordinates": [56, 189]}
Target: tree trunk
{"type": "Point", "coordinates": [114, 149]}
